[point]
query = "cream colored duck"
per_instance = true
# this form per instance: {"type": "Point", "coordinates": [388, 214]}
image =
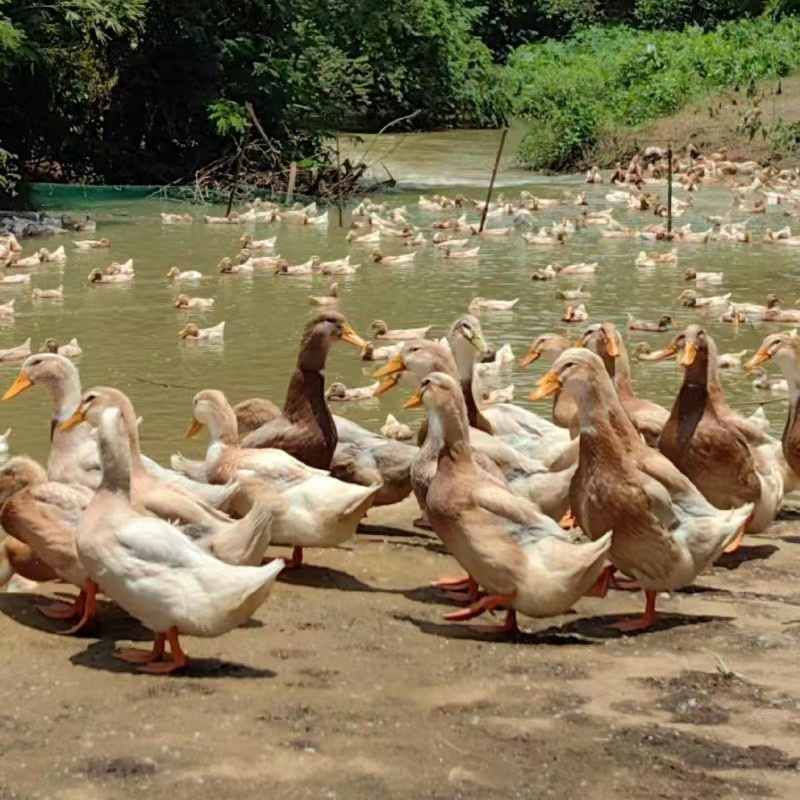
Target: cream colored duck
{"type": "Point", "coordinates": [731, 360]}
{"type": "Point", "coordinates": [543, 237]}
{"type": "Point", "coordinates": [155, 572]}
{"type": "Point", "coordinates": [664, 532]}
{"type": "Point", "coordinates": [691, 299]}
{"type": "Point", "coordinates": [227, 267]}
{"type": "Point", "coordinates": [575, 313]}
{"type": "Point", "coordinates": [404, 260]}
{"type": "Point", "coordinates": [57, 256]}
{"type": "Point", "coordinates": [117, 268]}
{"type": "Point", "coordinates": [320, 511]}
{"type": "Point", "coordinates": [461, 253]}
{"type": "Point", "coordinates": [11, 280]}
{"type": "Point", "coordinates": [373, 237]}
{"type": "Point", "coordinates": [7, 309]}
{"type": "Point", "coordinates": [192, 303]}
{"type": "Point", "coordinates": [330, 299]}
{"type": "Point", "coordinates": [478, 304]}
{"type": "Point", "coordinates": [580, 268]}
{"type": "Point", "coordinates": [231, 219]}
{"type": "Point", "coordinates": [340, 267]}
{"type": "Point", "coordinates": [306, 268]}
{"type": "Point", "coordinates": [547, 346]}
{"type": "Point", "coordinates": [92, 244]}
{"type": "Point", "coordinates": [522, 558]}
{"type": "Point", "coordinates": [48, 294]}
{"type": "Point", "coordinates": [549, 273]}
{"type": "Point", "coordinates": [446, 243]}
{"type": "Point", "coordinates": [339, 392]}
{"type": "Point", "coordinates": [96, 276]}
{"type": "Point", "coordinates": [372, 353]}
{"type": "Point", "coordinates": [69, 350]}
{"type": "Point", "coordinates": [193, 332]}
{"type": "Point", "coordinates": [176, 219]}
{"type": "Point", "coordinates": [28, 261]}
{"type": "Point", "coordinates": [710, 278]}
{"type": "Point", "coordinates": [177, 274]}
{"type": "Point", "coordinates": [572, 294]}
{"type": "Point", "coordinates": [249, 243]}
{"type": "Point", "coordinates": [18, 353]}
{"type": "Point", "coordinates": [382, 331]}
{"type": "Point", "coordinates": [394, 429]}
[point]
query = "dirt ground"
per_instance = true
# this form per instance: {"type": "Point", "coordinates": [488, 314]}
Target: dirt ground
{"type": "Point", "coordinates": [349, 685]}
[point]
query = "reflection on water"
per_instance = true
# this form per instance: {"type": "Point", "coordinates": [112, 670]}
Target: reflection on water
{"type": "Point", "coordinates": [129, 332]}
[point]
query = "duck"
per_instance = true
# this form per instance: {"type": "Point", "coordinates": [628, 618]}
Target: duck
{"type": "Point", "coordinates": [575, 313]}
{"type": "Point", "coordinates": [57, 256]}
{"type": "Point", "coordinates": [249, 243]}
{"type": "Point", "coordinates": [7, 309]}
{"type": "Point", "coordinates": [227, 267]}
{"type": "Point", "coordinates": [764, 382]}
{"type": "Point", "coordinates": [28, 261]}
{"type": "Point", "coordinates": [231, 219]}
{"type": "Point", "coordinates": [373, 237]}
{"type": "Point", "coordinates": [503, 395]}
{"type": "Point", "coordinates": [784, 348]}
{"type": "Point", "coordinates": [686, 234]}
{"type": "Point", "coordinates": [581, 268]}
{"type": "Point", "coordinates": [572, 294]}
{"type": "Point", "coordinates": [665, 323]}
{"type": "Point", "coordinates": [306, 268]}
{"type": "Point", "coordinates": [69, 350]}
{"type": "Point", "coordinates": [653, 259]}
{"type": "Point", "coordinates": [18, 353]}
{"type": "Point", "coordinates": [96, 276]}
{"type": "Point", "coordinates": [492, 363]}
{"type": "Point", "coordinates": [548, 346]}
{"type": "Point", "coordinates": [48, 294]}
{"type": "Point", "coordinates": [544, 237]}
{"type": "Point", "coordinates": [330, 299]}
{"type": "Point", "coordinates": [711, 278]}
{"type": "Point", "coordinates": [73, 457]}
{"type": "Point", "coordinates": [710, 445]}
{"type": "Point", "coordinates": [275, 262]}
{"type": "Point", "coordinates": [371, 353]}
{"type": "Point", "coordinates": [414, 240]}
{"type": "Point", "coordinates": [176, 274]}
{"type": "Point", "coordinates": [10, 280]}
{"type": "Point", "coordinates": [339, 392]}
{"type": "Point", "coordinates": [664, 533]}
{"type": "Point", "coordinates": [394, 429]}
{"type": "Point", "coordinates": [305, 429]}
{"type": "Point", "coordinates": [117, 268]}
{"type": "Point", "coordinates": [547, 274]}
{"type": "Point", "coordinates": [691, 299]}
{"type": "Point", "coordinates": [92, 244]}
{"type": "Point", "coordinates": [462, 253]}
{"type": "Point", "coordinates": [448, 243]}
{"type": "Point", "coordinates": [522, 558]}
{"type": "Point", "coordinates": [341, 267]}
{"type": "Point", "coordinates": [482, 304]}
{"type": "Point", "coordinates": [154, 572]}
{"type": "Point", "coordinates": [490, 232]}
{"type": "Point", "coordinates": [731, 360]}
{"type": "Point", "coordinates": [176, 219]}
{"type": "Point", "coordinates": [196, 334]}
{"type": "Point", "coordinates": [199, 303]}
{"type": "Point", "coordinates": [774, 313]}
{"type": "Point", "coordinates": [393, 261]}
{"type": "Point", "coordinates": [647, 417]}
{"type": "Point", "coordinates": [318, 510]}
{"type": "Point", "coordinates": [381, 331]}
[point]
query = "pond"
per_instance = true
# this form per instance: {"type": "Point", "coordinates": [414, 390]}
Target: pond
{"type": "Point", "coordinates": [129, 332]}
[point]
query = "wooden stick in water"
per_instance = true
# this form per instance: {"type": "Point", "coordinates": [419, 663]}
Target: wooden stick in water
{"type": "Point", "coordinates": [491, 182]}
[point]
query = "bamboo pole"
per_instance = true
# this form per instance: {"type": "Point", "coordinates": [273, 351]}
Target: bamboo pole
{"type": "Point", "coordinates": [237, 170]}
{"type": "Point", "coordinates": [339, 180]}
{"type": "Point", "coordinates": [292, 181]}
{"type": "Point", "coordinates": [669, 188]}
{"type": "Point", "coordinates": [494, 175]}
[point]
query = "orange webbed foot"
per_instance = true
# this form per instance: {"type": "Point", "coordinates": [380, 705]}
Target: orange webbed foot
{"type": "Point", "coordinates": [600, 587]}
{"type": "Point", "coordinates": [508, 627]}
{"type": "Point", "coordinates": [62, 610]}
{"type": "Point", "coordinates": [137, 656]}
{"type": "Point", "coordinates": [639, 623]}
{"type": "Point", "coordinates": [89, 610]}
{"type": "Point", "coordinates": [737, 542]}
{"type": "Point", "coordinates": [488, 603]}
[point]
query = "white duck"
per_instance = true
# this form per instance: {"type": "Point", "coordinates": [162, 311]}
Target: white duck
{"type": "Point", "coordinates": [482, 304]}
{"type": "Point", "coordinates": [191, 331]}
{"type": "Point", "coordinates": [176, 274]}
{"type": "Point", "coordinates": [382, 331]}
{"type": "Point", "coordinates": [153, 571]}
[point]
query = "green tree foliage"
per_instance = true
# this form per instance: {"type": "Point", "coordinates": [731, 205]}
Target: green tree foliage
{"type": "Point", "coordinates": [573, 90]}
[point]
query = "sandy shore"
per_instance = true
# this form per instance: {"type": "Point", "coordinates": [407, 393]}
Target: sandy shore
{"type": "Point", "coordinates": [349, 685]}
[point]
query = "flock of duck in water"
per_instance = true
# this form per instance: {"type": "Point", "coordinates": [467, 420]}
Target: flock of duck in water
{"type": "Point", "coordinates": [537, 512]}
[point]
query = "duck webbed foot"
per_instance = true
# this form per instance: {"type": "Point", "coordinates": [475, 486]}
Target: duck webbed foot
{"type": "Point", "coordinates": [64, 610]}
{"type": "Point", "coordinates": [639, 623]}
{"type": "Point", "coordinates": [136, 656]}
{"type": "Point", "coordinates": [489, 603]}
{"type": "Point", "coordinates": [462, 590]}
{"type": "Point", "coordinates": [179, 658]}
{"type": "Point", "coordinates": [89, 610]}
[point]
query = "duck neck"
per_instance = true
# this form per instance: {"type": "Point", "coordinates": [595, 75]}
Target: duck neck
{"type": "Point", "coordinates": [115, 454]}
{"type": "Point", "coordinates": [66, 395]}
{"type": "Point", "coordinates": [305, 402]}
{"type": "Point", "coordinates": [599, 412]}
{"type": "Point", "coordinates": [622, 375]}
{"type": "Point", "coordinates": [450, 426]}
{"type": "Point", "coordinates": [223, 427]}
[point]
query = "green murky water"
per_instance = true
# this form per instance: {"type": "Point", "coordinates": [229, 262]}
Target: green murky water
{"type": "Point", "coordinates": [129, 331]}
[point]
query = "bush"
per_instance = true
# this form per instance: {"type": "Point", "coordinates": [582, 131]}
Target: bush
{"type": "Point", "coordinates": [574, 90]}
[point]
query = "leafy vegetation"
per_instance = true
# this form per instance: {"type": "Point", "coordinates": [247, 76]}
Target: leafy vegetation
{"type": "Point", "coordinates": [573, 91]}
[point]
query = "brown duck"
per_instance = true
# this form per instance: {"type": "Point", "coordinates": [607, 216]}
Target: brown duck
{"type": "Point", "coordinates": [306, 429]}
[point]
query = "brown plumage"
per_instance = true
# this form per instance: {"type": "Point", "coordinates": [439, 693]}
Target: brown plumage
{"type": "Point", "coordinates": [306, 429]}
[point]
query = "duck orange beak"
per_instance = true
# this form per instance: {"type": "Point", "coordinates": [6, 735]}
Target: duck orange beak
{"type": "Point", "coordinates": [351, 337]}
{"type": "Point", "coordinates": [391, 367]}
{"type": "Point", "coordinates": [414, 401]}
{"type": "Point", "coordinates": [194, 428]}
{"type": "Point", "coordinates": [22, 383]}
{"type": "Point", "coordinates": [76, 419]}
{"type": "Point", "coordinates": [548, 384]}
{"type": "Point", "coordinates": [612, 348]}
{"type": "Point", "coordinates": [761, 357]}
{"type": "Point", "coordinates": [529, 358]}
{"type": "Point", "coordinates": [689, 354]}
